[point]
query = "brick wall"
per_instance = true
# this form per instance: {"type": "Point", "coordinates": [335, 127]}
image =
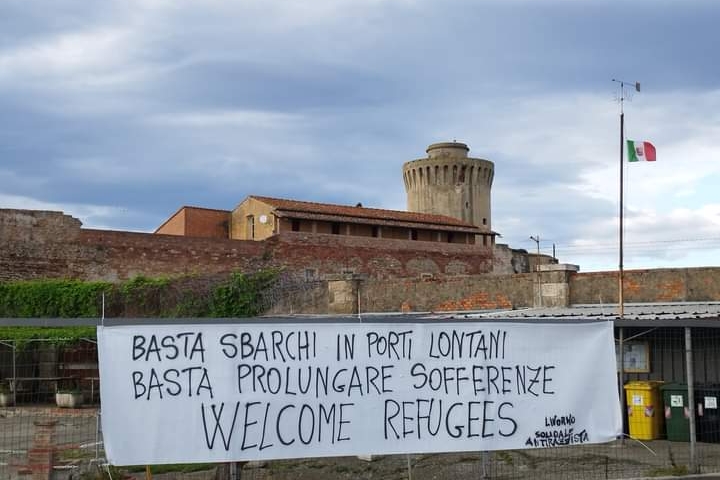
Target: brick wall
{"type": "Point", "coordinates": [111, 255]}
{"type": "Point", "coordinates": [397, 274]}
{"type": "Point", "coordinates": [447, 294]}
{"type": "Point", "coordinates": [52, 245]}
{"type": "Point", "coordinates": [656, 285]}
{"type": "Point", "coordinates": [197, 222]}
{"type": "Point", "coordinates": [204, 222]}
{"type": "Point", "coordinates": [378, 258]}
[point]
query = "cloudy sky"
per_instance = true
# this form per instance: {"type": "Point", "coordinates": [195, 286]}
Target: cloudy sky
{"type": "Point", "coordinates": [119, 112]}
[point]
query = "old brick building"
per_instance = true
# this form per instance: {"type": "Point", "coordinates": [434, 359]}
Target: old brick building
{"type": "Point", "coordinates": [258, 218]}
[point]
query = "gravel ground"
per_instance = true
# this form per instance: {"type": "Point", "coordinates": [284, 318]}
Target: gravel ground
{"type": "Point", "coordinates": [76, 438]}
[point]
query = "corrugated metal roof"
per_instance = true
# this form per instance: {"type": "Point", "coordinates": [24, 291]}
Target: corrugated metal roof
{"type": "Point", "coordinates": [633, 312]}
{"type": "Point", "coordinates": [685, 314]}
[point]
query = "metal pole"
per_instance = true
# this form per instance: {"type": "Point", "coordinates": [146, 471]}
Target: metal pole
{"type": "Point", "coordinates": [691, 399]}
{"type": "Point", "coordinates": [14, 353]}
{"type": "Point", "coordinates": [621, 302]}
{"type": "Point", "coordinates": [621, 381]}
{"type": "Point", "coordinates": [97, 435]}
{"type": "Point", "coordinates": [538, 296]}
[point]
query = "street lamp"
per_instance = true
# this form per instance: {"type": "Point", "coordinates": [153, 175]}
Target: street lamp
{"type": "Point", "coordinates": [536, 239]}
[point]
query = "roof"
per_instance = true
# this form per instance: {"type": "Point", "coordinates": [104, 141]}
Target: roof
{"type": "Point", "coordinates": [634, 314]}
{"type": "Point", "coordinates": [301, 209]}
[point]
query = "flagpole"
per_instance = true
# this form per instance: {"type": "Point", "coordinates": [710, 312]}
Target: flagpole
{"type": "Point", "coordinates": [621, 300]}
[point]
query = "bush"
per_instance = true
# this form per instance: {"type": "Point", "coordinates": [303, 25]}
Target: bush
{"type": "Point", "coordinates": [237, 296]}
{"type": "Point", "coordinates": [52, 298]}
{"type": "Point", "coordinates": [240, 296]}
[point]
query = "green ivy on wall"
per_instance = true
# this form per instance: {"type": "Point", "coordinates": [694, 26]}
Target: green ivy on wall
{"type": "Point", "coordinates": [239, 295]}
{"type": "Point", "coordinates": [52, 298]}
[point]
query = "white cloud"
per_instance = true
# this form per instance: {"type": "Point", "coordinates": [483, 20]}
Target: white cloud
{"type": "Point", "coordinates": [92, 216]}
{"type": "Point", "coordinates": [67, 55]}
{"type": "Point", "coordinates": [229, 118]}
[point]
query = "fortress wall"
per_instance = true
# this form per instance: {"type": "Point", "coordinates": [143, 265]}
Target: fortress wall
{"type": "Point", "coordinates": [38, 244]}
{"type": "Point", "coordinates": [651, 285]}
{"type": "Point", "coordinates": [393, 275]}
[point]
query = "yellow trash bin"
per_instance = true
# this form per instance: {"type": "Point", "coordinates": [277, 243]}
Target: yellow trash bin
{"type": "Point", "coordinates": [644, 409]}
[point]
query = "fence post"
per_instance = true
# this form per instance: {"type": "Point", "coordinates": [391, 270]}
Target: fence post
{"type": "Point", "coordinates": [621, 381]}
{"type": "Point", "coordinates": [14, 367]}
{"type": "Point", "coordinates": [40, 455]}
{"type": "Point", "coordinates": [691, 399]}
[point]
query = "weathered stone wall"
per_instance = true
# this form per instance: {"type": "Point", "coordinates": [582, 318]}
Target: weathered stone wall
{"type": "Point", "coordinates": [52, 245]}
{"type": "Point", "coordinates": [33, 244]}
{"type": "Point", "coordinates": [656, 285]}
{"type": "Point", "coordinates": [508, 260]}
{"type": "Point", "coordinates": [110, 255]}
{"type": "Point", "coordinates": [447, 294]}
{"type": "Point", "coordinates": [380, 258]}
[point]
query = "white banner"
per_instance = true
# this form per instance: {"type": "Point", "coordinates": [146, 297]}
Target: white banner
{"type": "Point", "coordinates": [217, 393]}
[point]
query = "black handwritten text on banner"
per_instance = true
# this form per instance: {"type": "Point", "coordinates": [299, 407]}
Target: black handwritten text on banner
{"type": "Point", "coordinates": [205, 393]}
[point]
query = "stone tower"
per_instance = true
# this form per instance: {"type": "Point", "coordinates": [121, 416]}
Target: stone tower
{"type": "Point", "coordinates": [448, 182]}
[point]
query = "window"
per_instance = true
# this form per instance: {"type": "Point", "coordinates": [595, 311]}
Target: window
{"type": "Point", "coordinates": [413, 234]}
{"type": "Point", "coordinates": [296, 225]}
{"type": "Point", "coordinates": [335, 228]}
{"type": "Point", "coordinates": [484, 221]}
{"type": "Point", "coordinates": [375, 231]}
{"type": "Point", "coordinates": [450, 237]}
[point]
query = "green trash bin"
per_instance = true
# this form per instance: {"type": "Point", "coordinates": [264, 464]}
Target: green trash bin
{"type": "Point", "coordinates": [677, 412]}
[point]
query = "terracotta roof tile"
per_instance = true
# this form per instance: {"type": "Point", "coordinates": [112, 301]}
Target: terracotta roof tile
{"type": "Point", "coordinates": [360, 212]}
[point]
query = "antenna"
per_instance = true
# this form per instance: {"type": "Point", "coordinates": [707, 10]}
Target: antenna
{"type": "Point", "coordinates": [624, 94]}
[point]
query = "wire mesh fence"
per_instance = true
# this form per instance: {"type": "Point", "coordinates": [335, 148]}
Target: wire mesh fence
{"type": "Point", "coordinates": [39, 438]}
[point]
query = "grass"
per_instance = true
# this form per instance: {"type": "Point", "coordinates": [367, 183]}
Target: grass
{"type": "Point", "coordinates": [674, 471]}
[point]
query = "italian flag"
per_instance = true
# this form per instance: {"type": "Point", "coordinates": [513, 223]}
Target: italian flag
{"type": "Point", "coordinates": [640, 151]}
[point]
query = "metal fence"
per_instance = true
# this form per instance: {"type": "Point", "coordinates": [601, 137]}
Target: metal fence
{"type": "Point", "coordinates": [39, 439]}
